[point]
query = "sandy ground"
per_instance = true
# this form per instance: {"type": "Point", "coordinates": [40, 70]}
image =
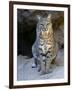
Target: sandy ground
{"type": "Point", "coordinates": [26, 72]}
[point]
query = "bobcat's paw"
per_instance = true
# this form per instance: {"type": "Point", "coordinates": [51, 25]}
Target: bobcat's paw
{"type": "Point", "coordinates": [42, 72]}
{"type": "Point", "coordinates": [49, 71]}
{"type": "Point", "coordinates": [33, 65]}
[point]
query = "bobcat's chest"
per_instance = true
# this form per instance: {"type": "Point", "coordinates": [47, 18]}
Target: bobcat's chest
{"type": "Point", "coordinates": [46, 46]}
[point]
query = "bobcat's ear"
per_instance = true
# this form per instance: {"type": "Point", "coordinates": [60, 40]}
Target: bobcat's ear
{"type": "Point", "coordinates": [49, 18]}
{"type": "Point", "coordinates": [38, 17]}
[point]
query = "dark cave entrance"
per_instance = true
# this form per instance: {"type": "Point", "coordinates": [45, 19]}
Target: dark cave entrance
{"type": "Point", "coordinates": [26, 39]}
{"type": "Point", "coordinates": [26, 34]}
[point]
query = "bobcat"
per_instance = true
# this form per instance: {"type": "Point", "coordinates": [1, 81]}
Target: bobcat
{"type": "Point", "coordinates": [44, 48]}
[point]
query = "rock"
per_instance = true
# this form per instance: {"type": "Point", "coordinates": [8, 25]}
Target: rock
{"type": "Point", "coordinates": [60, 58]}
{"type": "Point", "coordinates": [59, 36]}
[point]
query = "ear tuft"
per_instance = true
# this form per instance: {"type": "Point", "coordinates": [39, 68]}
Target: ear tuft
{"type": "Point", "coordinates": [49, 17]}
{"type": "Point", "coordinates": [38, 17]}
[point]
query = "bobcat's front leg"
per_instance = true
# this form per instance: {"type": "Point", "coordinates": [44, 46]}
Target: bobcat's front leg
{"type": "Point", "coordinates": [43, 65]}
{"type": "Point", "coordinates": [48, 64]}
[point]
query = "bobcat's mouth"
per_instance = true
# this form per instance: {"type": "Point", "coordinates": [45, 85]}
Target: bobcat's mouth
{"type": "Point", "coordinates": [44, 35]}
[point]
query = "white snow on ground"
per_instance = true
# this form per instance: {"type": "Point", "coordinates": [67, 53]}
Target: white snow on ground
{"type": "Point", "coordinates": [26, 72]}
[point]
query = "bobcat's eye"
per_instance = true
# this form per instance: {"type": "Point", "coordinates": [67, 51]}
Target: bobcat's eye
{"type": "Point", "coordinates": [41, 27]}
{"type": "Point", "coordinates": [47, 25]}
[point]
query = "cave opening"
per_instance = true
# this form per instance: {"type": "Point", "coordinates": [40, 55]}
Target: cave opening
{"type": "Point", "coordinates": [26, 34]}
{"type": "Point", "coordinates": [26, 38]}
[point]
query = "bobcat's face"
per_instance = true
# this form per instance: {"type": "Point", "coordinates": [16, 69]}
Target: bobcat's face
{"type": "Point", "coordinates": [43, 25]}
{"type": "Point", "coordinates": [45, 28]}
